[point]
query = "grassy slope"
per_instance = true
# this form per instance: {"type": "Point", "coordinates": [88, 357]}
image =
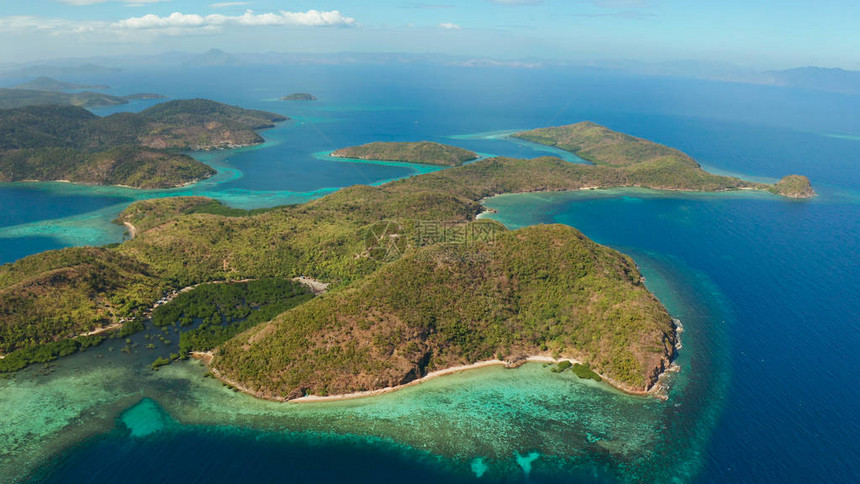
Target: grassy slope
{"type": "Point", "coordinates": [418, 152]}
{"type": "Point", "coordinates": [70, 143]}
{"type": "Point", "coordinates": [624, 160]}
{"type": "Point", "coordinates": [793, 186]}
{"type": "Point", "coordinates": [537, 290]}
{"type": "Point", "coordinates": [62, 293]}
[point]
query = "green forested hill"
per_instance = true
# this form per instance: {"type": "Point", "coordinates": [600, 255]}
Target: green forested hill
{"type": "Point", "coordinates": [70, 143]}
{"type": "Point", "coordinates": [539, 290]}
{"type": "Point", "coordinates": [14, 98]}
{"type": "Point", "coordinates": [63, 293]}
{"type": "Point", "coordinates": [624, 160]}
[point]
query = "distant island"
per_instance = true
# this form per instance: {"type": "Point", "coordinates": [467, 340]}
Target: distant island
{"type": "Point", "coordinates": [44, 91]}
{"type": "Point", "coordinates": [419, 152]}
{"type": "Point", "coordinates": [418, 287]}
{"type": "Point", "coordinates": [139, 150]}
{"type": "Point", "coordinates": [817, 78]}
{"type": "Point", "coordinates": [299, 96]}
{"type": "Point", "coordinates": [144, 96]}
{"type": "Point", "coordinates": [44, 83]}
{"type": "Point", "coordinates": [15, 98]}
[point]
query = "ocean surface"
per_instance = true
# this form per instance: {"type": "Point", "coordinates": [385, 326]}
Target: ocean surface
{"type": "Point", "coordinates": [768, 291]}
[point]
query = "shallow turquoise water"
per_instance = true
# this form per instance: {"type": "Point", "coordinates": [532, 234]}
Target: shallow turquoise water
{"type": "Point", "coordinates": [788, 273]}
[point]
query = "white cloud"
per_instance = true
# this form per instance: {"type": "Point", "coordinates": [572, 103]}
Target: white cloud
{"type": "Point", "coordinates": [312, 18]}
{"type": "Point", "coordinates": [228, 4]}
{"type": "Point", "coordinates": [449, 26]}
{"type": "Point", "coordinates": [150, 27]}
{"type": "Point", "coordinates": [133, 3]}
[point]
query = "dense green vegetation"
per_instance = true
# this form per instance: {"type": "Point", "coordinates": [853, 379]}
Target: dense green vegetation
{"type": "Point", "coordinates": [225, 310]}
{"type": "Point", "coordinates": [585, 372]}
{"type": "Point", "coordinates": [793, 186]}
{"type": "Point", "coordinates": [16, 98]}
{"type": "Point", "coordinates": [149, 213]}
{"type": "Point", "coordinates": [219, 303]}
{"type": "Point", "coordinates": [70, 143]}
{"type": "Point", "coordinates": [299, 96]}
{"type": "Point", "coordinates": [131, 327]}
{"type": "Point", "coordinates": [44, 83]}
{"type": "Point", "coordinates": [127, 166]}
{"type": "Point", "coordinates": [623, 160]}
{"type": "Point", "coordinates": [63, 293]}
{"type": "Point", "coordinates": [47, 352]}
{"type": "Point", "coordinates": [211, 334]}
{"type": "Point", "coordinates": [421, 152]}
{"type": "Point", "coordinates": [159, 362]}
{"type": "Point", "coordinates": [543, 289]}
{"type": "Point", "coordinates": [415, 285]}
{"type": "Point", "coordinates": [602, 146]}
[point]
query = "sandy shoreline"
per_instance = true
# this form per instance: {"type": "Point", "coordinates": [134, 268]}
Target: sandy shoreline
{"type": "Point", "coordinates": [427, 377]}
{"type": "Point", "coordinates": [207, 357]}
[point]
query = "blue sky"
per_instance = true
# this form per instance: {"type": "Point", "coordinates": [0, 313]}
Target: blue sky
{"type": "Point", "coordinates": [762, 33]}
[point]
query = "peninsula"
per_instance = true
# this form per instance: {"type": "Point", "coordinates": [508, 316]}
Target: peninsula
{"type": "Point", "coordinates": [44, 83]}
{"type": "Point", "coordinates": [15, 98]}
{"type": "Point", "coordinates": [424, 152]}
{"type": "Point", "coordinates": [623, 160]}
{"type": "Point", "coordinates": [140, 150]}
{"type": "Point", "coordinates": [417, 285]}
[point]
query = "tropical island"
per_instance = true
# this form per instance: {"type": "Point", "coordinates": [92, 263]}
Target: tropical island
{"type": "Point", "coordinates": [14, 98]}
{"type": "Point", "coordinates": [139, 150]}
{"type": "Point", "coordinates": [623, 160]}
{"type": "Point", "coordinates": [418, 286]}
{"type": "Point", "coordinates": [144, 96]}
{"type": "Point", "coordinates": [299, 96]}
{"type": "Point", "coordinates": [44, 83]}
{"type": "Point", "coordinates": [423, 152]}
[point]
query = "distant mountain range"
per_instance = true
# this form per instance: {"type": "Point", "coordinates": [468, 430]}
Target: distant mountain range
{"type": "Point", "coordinates": [818, 78]}
{"type": "Point", "coordinates": [814, 78]}
{"type": "Point", "coordinates": [213, 57]}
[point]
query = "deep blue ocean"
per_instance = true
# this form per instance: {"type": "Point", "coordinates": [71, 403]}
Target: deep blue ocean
{"type": "Point", "coordinates": [768, 288]}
